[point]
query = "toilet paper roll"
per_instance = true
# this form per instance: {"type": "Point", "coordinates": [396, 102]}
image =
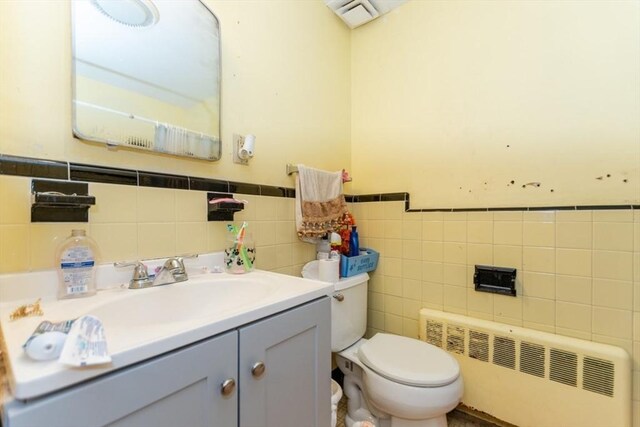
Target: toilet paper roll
{"type": "Point", "coordinates": [46, 346]}
{"type": "Point", "coordinates": [329, 270]}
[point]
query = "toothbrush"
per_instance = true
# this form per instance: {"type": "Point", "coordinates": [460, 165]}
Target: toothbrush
{"type": "Point", "coordinates": [242, 248]}
{"type": "Point", "coordinates": [239, 246]}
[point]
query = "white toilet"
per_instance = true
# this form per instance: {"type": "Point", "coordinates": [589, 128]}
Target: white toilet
{"type": "Point", "coordinates": [390, 380]}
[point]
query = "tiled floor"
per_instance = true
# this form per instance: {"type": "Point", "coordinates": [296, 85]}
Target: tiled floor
{"type": "Point", "coordinates": [454, 418]}
{"type": "Point", "coordinates": [342, 411]}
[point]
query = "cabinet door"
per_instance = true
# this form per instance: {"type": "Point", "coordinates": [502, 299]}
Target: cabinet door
{"type": "Point", "coordinates": [295, 389]}
{"type": "Point", "coordinates": [182, 388]}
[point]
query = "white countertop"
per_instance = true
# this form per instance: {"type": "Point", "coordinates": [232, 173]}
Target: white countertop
{"type": "Point", "coordinates": [140, 324]}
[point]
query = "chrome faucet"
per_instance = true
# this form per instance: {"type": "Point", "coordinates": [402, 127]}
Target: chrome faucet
{"type": "Point", "coordinates": [172, 271]}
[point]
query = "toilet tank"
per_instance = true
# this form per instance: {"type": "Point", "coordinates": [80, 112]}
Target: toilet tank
{"type": "Point", "coordinates": [349, 311]}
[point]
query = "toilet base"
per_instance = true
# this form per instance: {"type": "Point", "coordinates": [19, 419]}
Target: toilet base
{"type": "Point", "coordinates": [400, 422]}
{"type": "Point", "coordinates": [431, 422]}
{"type": "Point", "coordinates": [375, 398]}
{"type": "Point", "coordinates": [350, 422]}
{"type": "Point", "coordinates": [358, 410]}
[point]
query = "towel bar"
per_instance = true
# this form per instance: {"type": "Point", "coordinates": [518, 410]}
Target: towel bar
{"type": "Point", "coordinates": [291, 169]}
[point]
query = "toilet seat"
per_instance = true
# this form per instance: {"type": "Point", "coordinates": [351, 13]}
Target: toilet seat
{"type": "Point", "coordinates": [408, 361]}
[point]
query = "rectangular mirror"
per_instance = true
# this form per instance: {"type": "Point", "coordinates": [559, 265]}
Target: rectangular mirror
{"type": "Point", "coordinates": [146, 75]}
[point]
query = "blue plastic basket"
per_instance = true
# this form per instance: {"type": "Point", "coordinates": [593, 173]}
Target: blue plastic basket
{"type": "Point", "coordinates": [350, 266]}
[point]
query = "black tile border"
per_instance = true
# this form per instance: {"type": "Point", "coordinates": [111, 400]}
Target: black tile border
{"type": "Point", "coordinates": [206, 184]}
{"type": "Point", "coordinates": [604, 207]}
{"type": "Point", "coordinates": [161, 180]}
{"type": "Point", "coordinates": [514, 209]}
{"type": "Point", "coordinates": [393, 197]}
{"type": "Point", "coordinates": [53, 169]}
{"type": "Point", "coordinates": [532, 208]}
{"type": "Point", "coordinates": [90, 173]}
{"type": "Point", "coordinates": [365, 198]}
{"type": "Point", "coordinates": [269, 190]}
{"type": "Point", "coordinates": [470, 210]}
{"type": "Point", "coordinates": [36, 168]}
{"type": "Point", "coordinates": [553, 208]}
{"type": "Point", "coordinates": [244, 188]}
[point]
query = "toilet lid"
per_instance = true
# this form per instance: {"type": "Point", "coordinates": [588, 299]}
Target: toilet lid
{"type": "Point", "coordinates": [409, 361]}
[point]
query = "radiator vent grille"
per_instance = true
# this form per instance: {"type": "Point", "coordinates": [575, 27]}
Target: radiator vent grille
{"type": "Point", "coordinates": [597, 376]}
{"type": "Point", "coordinates": [575, 382]}
{"type": "Point", "coordinates": [455, 339]}
{"type": "Point", "coordinates": [560, 366]}
{"type": "Point", "coordinates": [532, 359]}
{"type": "Point", "coordinates": [504, 352]}
{"type": "Point", "coordinates": [563, 367]}
{"type": "Point", "coordinates": [478, 345]}
{"type": "Point", "coordinates": [434, 333]}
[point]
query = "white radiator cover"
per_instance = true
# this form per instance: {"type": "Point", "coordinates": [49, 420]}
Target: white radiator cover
{"type": "Point", "coordinates": [532, 378]}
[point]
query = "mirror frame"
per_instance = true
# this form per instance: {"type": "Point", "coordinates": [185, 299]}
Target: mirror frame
{"type": "Point", "coordinates": [112, 144]}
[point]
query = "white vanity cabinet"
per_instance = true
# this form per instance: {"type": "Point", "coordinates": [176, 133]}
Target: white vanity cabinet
{"type": "Point", "coordinates": [280, 366]}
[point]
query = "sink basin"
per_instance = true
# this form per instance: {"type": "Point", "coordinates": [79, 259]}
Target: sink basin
{"type": "Point", "coordinates": [180, 302]}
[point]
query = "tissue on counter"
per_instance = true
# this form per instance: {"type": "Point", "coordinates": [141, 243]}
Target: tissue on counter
{"type": "Point", "coordinates": [86, 343]}
{"type": "Point", "coordinates": [76, 342]}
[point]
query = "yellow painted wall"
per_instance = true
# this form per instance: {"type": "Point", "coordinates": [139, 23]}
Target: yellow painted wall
{"type": "Point", "coordinates": [452, 100]}
{"type": "Point", "coordinates": [285, 78]}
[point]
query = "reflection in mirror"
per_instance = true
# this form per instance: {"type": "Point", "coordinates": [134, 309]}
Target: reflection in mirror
{"type": "Point", "coordinates": [147, 75]}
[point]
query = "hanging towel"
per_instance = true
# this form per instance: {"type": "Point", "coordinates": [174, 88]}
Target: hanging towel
{"type": "Point", "coordinates": [320, 204]}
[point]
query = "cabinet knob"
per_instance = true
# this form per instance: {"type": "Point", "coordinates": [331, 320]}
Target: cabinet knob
{"type": "Point", "coordinates": [339, 297]}
{"type": "Point", "coordinates": [227, 387]}
{"type": "Point", "coordinates": [257, 369]}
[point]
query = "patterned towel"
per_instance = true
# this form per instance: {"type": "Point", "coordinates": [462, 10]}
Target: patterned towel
{"type": "Point", "coordinates": [320, 204]}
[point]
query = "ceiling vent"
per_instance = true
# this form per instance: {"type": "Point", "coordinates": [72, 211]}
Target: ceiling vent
{"type": "Point", "coordinates": [358, 12]}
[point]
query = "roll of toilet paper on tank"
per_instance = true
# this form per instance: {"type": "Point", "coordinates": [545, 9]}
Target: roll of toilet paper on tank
{"type": "Point", "coordinates": [329, 270]}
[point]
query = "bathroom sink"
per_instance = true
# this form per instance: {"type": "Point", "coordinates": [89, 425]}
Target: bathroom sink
{"type": "Point", "coordinates": [180, 302]}
{"type": "Point", "coordinates": [143, 323]}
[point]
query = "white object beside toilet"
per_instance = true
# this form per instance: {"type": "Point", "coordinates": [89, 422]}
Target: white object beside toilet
{"type": "Point", "coordinates": [336, 395]}
{"type": "Point", "coordinates": [390, 380]}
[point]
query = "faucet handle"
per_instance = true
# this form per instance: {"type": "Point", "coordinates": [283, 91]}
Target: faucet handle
{"type": "Point", "coordinates": [174, 264]}
{"type": "Point", "coordinates": [180, 261]}
{"type": "Point", "coordinates": [140, 274]}
{"type": "Point", "coordinates": [176, 267]}
{"type": "Point", "coordinates": [187, 256]}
